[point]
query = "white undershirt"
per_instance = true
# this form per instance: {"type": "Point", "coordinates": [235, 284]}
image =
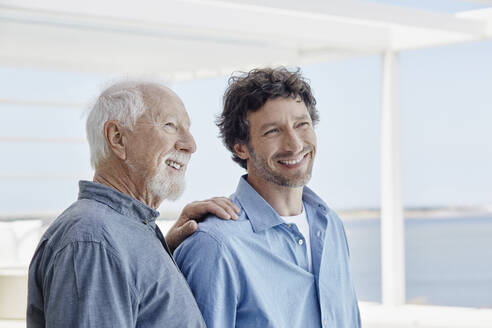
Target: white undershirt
{"type": "Point", "coordinates": [302, 224]}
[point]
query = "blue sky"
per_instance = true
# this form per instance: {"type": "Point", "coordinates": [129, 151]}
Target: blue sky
{"type": "Point", "coordinates": [446, 112]}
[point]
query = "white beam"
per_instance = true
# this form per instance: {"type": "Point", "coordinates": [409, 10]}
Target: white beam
{"type": "Point", "coordinates": [187, 42]}
{"type": "Point", "coordinates": [202, 22]}
{"type": "Point", "coordinates": [363, 12]}
{"type": "Point", "coordinates": [190, 39]}
{"type": "Point", "coordinates": [392, 221]}
{"type": "Point", "coordinates": [484, 15]}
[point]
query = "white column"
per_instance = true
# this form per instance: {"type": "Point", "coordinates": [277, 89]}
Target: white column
{"type": "Point", "coordinates": [392, 227]}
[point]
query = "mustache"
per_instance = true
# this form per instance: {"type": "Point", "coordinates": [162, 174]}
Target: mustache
{"type": "Point", "coordinates": [305, 150]}
{"type": "Point", "coordinates": [177, 156]}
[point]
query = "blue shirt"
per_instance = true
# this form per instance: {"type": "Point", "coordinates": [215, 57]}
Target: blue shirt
{"type": "Point", "coordinates": [254, 272]}
{"type": "Point", "coordinates": [104, 263]}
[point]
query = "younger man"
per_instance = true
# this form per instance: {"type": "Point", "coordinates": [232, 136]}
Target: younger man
{"type": "Point", "coordinates": [285, 261]}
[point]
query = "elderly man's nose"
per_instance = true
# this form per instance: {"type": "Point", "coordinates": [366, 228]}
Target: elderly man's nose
{"type": "Point", "coordinates": [186, 143]}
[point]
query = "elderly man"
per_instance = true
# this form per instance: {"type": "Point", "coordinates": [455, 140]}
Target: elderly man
{"type": "Point", "coordinates": [104, 262]}
{"type": "Point", "coordinates": [285, 261]}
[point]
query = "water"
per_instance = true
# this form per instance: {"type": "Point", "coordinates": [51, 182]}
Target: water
{"type": "Point", "coordinates": [448, 261]}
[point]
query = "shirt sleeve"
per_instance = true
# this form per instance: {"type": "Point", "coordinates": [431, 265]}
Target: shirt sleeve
{"type": "Point", "coordinates": [86, 286]}
{"type": "Point", "coordinates": [210, 272]}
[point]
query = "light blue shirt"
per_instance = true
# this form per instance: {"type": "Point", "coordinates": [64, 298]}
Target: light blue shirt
{"type": "Point", "coordinates": [254, 272]}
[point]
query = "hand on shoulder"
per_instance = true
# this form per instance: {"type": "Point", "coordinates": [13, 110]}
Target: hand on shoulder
{"type": "Point", "coordinates": [194, 212]}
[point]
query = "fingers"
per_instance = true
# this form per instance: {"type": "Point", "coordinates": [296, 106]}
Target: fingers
{"type": "Point", "coordinates": [222, 212]}
{"type": "Point", "coordinates": [186, 225]}
{"type": "Point", "coordinates": [228, 206]}
{"type": "Point", "coordinates": [187, 229]}
{"type": "Point", "coordinates": [177, 234]}
{"type": "Point", "coordinates": [221, 207]}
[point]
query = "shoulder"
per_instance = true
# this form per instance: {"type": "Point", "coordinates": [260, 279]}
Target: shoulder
{"type": "Point", "coordinates": [333, 216]}
{"type": "Point", "coordinates": [335, 225]}
{"type": "Point", "coordinates": [316, 204]}
{"type": "Point", "coordinates": [85, 221]}
{"type": "Point", "coordinates": [210, 235]}
{"type": "Point", "coordinates": [312, 199]}
{"type": "Point", "coordinates": [223, 231]}
{"type": "Point", "coordinates": [198, 243]}
{"type": "Point", "coordinates": [213, 239]}
{"type": "Point", "coordinates": [201, 251]}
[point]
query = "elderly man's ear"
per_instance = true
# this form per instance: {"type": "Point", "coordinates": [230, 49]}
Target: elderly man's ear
{"type": "Point", "coordinates": [116, 138]}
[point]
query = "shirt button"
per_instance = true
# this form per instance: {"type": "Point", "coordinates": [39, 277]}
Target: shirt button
{"type": "Point", "coordinates": [325, 322]}
{"type": "Point", "coordinates": [300, 241]}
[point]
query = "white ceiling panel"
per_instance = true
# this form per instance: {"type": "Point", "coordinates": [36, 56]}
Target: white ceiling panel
{"type": "Point", "coordinates": [190, 38]}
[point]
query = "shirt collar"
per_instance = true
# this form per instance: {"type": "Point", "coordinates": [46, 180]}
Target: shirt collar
{"type": "Point", "coordinates": [310, 198]}
{"type": "Point", "coordinates": [261, 215]}
{"type": "Point", "coordinates": [118, 201]}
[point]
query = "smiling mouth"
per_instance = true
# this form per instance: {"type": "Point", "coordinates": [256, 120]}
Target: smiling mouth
{"type": "Point", "coordinates": [295, 161]}
{"type": "Point", "coordinates": [175, 165]}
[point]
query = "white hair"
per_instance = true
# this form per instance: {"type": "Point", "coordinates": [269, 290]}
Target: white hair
{"type": "Point", "coordinates": [122, 102]}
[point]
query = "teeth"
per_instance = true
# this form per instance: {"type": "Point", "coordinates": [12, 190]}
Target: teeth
{"type": "Point", "coordinates": [292, 162]}
{"type": "Point", "coordinates": [174, 164]}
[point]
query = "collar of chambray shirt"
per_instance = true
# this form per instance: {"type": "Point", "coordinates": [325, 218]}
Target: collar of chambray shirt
{"type": "Point", "coordinates": [118, 201]}
{"type": "Point", "coordinates": [261, 215]}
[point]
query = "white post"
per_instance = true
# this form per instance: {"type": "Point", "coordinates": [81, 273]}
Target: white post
{"type": "Point", "coordinates": [392, 223]}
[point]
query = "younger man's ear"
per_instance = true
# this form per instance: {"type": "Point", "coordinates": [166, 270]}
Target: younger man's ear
{"type": "Point", "coordinates": [115, 139]}
{"type": "Point", "coordinates": [241, 151]}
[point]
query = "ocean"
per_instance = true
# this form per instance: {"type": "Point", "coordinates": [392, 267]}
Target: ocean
{"type": "Point", "coordinates": [448, 261]}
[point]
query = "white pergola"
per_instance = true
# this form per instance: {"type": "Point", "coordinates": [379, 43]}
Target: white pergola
{"type": "Point", "coordinates": [188, 39]}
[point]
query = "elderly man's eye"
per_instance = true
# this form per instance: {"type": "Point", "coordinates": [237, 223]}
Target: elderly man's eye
{"type": "Point", "coordinates": [170, 125]}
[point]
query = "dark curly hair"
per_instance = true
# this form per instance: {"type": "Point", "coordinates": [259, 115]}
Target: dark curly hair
{"type": "Point", "coordinates": [248, 92]}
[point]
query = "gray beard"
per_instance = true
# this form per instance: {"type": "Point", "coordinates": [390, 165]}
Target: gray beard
{"type": "Point", "coordinates": [165, 186]}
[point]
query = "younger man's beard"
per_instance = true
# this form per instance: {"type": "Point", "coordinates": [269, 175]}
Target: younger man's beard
{"type": "Point", "coordinates": [261, 167]}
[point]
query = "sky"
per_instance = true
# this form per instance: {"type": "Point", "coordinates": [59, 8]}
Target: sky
{"type": "Point", "coordinates": [446, 114]}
